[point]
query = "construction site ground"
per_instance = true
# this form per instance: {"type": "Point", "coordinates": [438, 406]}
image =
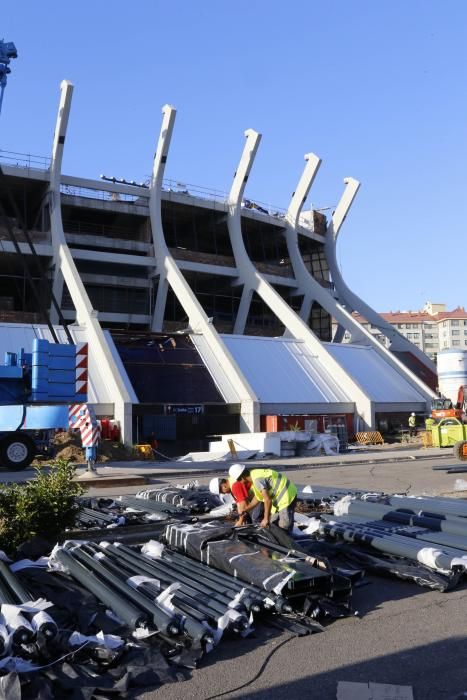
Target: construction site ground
{"type": "Point", "coordinates": [403, 634]}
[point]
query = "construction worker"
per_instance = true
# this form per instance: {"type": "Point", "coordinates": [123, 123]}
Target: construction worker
{"type": "Point", "coordinates": [412, 428]}
{"type": "Point", "coordinates": [238, 493]}
{"type": "Point", "coordinates": [273, 489]}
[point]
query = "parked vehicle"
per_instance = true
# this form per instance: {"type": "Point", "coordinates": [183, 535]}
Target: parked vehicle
{"type": "Point", "coordinates": [41, 392]}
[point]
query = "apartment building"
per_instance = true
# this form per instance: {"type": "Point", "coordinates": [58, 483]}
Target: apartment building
{"type": "Point", "coordinates": [432, 329]}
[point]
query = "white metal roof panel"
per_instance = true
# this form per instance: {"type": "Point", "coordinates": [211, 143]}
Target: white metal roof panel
{"type": "Point", "coordinates": [283, 370]}
{"type": "Point", "coordinates": [215, 369]}
{"type": "Point", "coordinates": [14, 336]}
{"type": "Point", "coordinates": [380, 381]}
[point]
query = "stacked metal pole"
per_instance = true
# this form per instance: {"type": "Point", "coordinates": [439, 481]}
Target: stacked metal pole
{"type": "Point", "coordinates": [210, 599]}
{"type": "Point", "coordinates": [96, 518]}
{"type": "Point", "coordinates": [445, 558]}
{"type": "Point", "coordinates": [186, 604]}
{"type": "Point", "coordinates": [438, 504]}
{"type": "Point", "coordinates": [156, 508]}
{"type": "Point", "coordinates": [448, 530]}
{"type": "Point", "coordinates": [14, 622]}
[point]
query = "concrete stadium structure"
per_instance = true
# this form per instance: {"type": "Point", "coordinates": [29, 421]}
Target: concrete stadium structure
{"type": "Point", "coordinates": [245, 295]}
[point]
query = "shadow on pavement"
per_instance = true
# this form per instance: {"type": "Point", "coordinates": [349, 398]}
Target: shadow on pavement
{"type": "Point", "coordinates": [435, 671]}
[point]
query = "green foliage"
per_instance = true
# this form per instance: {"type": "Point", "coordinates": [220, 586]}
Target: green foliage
{"type": "Point", "coordinates": [294, 427]}
{"type": "Point", "coordinates": [44, 506]}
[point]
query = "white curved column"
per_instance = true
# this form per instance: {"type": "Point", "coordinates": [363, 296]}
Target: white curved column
{"type": "Point", "coordinates": [197, 317]}
{"type": "Point", "coordinates": [351, 300]}
{"type": "Point", "coordinates": [252, 279]}
{"type": "Point", "coordinates": [85, 314]}
{"type": "Point", "coordinates": [243, 309]}
{"type": "Point", "coordinates": [159, 307]}
{"type": "Point", "coordinates": [66, 94]}
{"type": "Point", "coordinates": [307, 284]}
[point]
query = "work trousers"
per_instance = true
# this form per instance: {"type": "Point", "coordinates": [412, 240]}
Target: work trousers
{"type": "Point", "coordinates": [285, 517]}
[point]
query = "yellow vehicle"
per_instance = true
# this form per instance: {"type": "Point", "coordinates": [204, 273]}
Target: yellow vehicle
{"type": "Point", "coordinates": [451, 432]}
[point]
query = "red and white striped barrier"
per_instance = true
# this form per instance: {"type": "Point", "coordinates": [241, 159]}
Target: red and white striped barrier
{"type": "Point", "coordinates": [82, 417]}
{"type": "Point", "coordinates": [81, 365]}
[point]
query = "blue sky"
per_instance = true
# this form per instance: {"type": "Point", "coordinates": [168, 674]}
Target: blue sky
{"type": "Point", "coordinates": [377, 88]}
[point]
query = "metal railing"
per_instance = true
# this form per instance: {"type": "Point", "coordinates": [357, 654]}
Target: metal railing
{"type": "Point", "coordinates": [257, 207]}
{"type": "Point", "coordinates": [97, 193]}
{"type": "Point", "coordinates": [25, 160]}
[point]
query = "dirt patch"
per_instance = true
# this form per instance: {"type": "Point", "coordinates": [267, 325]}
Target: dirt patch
{"type": "Point", "coordinates": [68, 446]}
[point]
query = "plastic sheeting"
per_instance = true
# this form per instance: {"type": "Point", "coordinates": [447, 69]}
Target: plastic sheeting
{"type": "Point", "coordinates": [219, 546]}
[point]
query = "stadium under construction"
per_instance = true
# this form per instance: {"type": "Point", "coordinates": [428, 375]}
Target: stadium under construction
{"type": "Point", "coordinates": [205, 312]}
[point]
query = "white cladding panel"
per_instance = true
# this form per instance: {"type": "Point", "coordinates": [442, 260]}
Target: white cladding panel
{"type": "Point", "coordinates": [452, 372]}
{"type": "Point", "coordinates": [14, 336]}
{"type": "Point", "coordinates": [281, 370]}
{"type": "Point", "coordinates": [381, 382]}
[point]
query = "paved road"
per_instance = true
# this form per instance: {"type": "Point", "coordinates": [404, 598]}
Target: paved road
{"type": "Point", "coordinates": [404, 634]}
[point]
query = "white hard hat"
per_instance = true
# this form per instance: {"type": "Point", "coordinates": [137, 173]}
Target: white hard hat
{"type": "Point", "coordinates": [413, 413]}
{"type": "Point", "coordinates": [215, 485]}
{"type": "Point", "coordinates": [235, 471]}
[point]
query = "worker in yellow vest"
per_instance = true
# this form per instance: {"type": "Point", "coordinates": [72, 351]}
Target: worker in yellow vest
{"type": "Point", "coordinates": [273, 489]}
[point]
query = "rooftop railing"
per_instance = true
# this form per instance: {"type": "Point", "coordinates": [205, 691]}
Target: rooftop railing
{"type": "Point", "coordinates": [256, 207]}
{"type": "Point", "coordinates": [24, 160]}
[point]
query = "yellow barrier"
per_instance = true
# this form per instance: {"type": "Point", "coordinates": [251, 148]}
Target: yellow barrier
{"type": "Point", "coordinates": [145, 451]}
{"type": "Point", "coordinates": [369, 438]}
{"type": "Point", "coordinates": [427, 438]}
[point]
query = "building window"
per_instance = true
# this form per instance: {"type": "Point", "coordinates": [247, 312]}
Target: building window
{"type": "Point", "coordinates": [401, 325]}
{"type": "Point", "coordinates": [445, 323]}
{"type": "Point", "coordinates": [410, 335]}
{"type": "Point", "coordinates": [454, 323]}
{"type": "Point", "coordinates": [416, 335]}
{"type": "Point", "coordinates": [456, 332]}
{"type": "Point", "coordinates": [456, 342]}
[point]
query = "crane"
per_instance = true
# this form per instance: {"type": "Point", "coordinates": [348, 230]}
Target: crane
{"type": "Point", "coordinates": [7, 52]}
{"type": "Point", "coordinates": [45, 390]}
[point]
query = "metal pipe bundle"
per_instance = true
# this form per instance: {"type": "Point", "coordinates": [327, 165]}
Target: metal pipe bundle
{"type": "Point", "coordinates": [126, 611]}
{"type": "Point", "coordinates": [256, 595]}
{"type": "Point", "coordinates": [451, 524]}
{"type": "Point", "coordinates": [12, 592]}
{"type": "Point", "coordinates": [196, 500]}
{"type": "Point", "coordinates": [440, 505]}
{"type": "Point", "coordinates": [146, 595]}
{"type": "Point", "coordinates": [393, 543]}
{"type": "Point", "coordinates": [95, 517]}
{"type": "Point", "coordinates": [206, 599]}
{"type": "Point", "coordinates": [165, 510]}
{"type": "Point", "coordinates": [165, 623]}
{"type": "Point", "coordinates": [447, 540]}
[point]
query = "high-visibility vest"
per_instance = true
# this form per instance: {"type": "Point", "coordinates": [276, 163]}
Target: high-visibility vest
{"type": "Point", "coordinates": [282, 491]}
{"type": "Point", "coordinates": [412, 421]}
